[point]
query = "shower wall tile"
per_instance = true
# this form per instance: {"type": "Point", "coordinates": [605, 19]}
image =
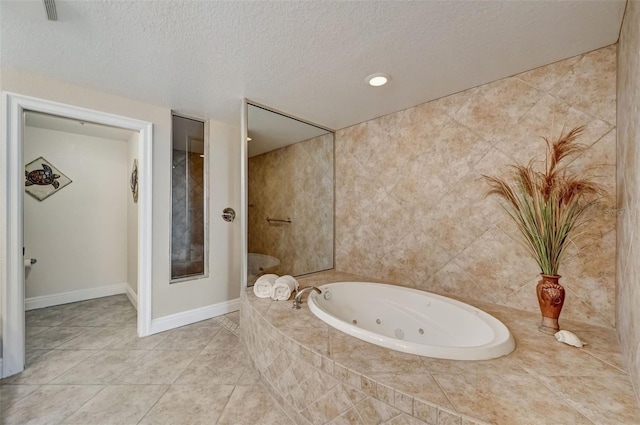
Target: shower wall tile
{"type": "Point", "coordinates": [596, 96]}
{"type": "Point", "coordinates": [545, 77]}
{"type": "Point", "coordinates": [628, 203]}
{"type": "Point", "coordinates": [574, 308]}
{"type": "Point", "coordinates": [547, 118]}
{"type": "Point", "coordinates": [495, 107]}
{"type": "Point", "coordinates": [187, 226]}
{"type": "Point", "coordinates": [410, 200]}
{"type": "Point", "coordinates": [597, 265]}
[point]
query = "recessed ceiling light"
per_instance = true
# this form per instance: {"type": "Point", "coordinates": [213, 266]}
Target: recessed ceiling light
{"type": "Point", "coordinates": [378, 79]}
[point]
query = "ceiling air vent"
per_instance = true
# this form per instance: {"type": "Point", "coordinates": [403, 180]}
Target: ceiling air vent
{"type": "Point", "coordinates": [50, 5]}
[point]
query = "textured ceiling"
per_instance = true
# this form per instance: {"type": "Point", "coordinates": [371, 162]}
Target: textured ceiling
{"type": "Point", "coordinates": [305, 58]}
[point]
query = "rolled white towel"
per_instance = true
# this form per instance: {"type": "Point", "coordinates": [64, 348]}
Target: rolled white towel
{"type": "Point", "coordinates": [264, 285]}
{"type": "Point", "coordinates": [283, 288]}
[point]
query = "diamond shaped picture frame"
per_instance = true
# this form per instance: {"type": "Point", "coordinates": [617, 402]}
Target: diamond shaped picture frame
{"type": "Point", "coordinates": [43, 179]}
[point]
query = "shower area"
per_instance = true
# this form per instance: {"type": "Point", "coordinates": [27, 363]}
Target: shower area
{"type": "Point", "coordinates": [188, 200]}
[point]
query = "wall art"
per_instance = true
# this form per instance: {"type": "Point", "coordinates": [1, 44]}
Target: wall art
{"type": "Point", "coordinates": [43, 179]}
{"type": "Point", "coordinates": [134, 181]}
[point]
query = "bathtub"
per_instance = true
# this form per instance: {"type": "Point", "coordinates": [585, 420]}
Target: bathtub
{"type": "Point", "coordinates": [411, 321]}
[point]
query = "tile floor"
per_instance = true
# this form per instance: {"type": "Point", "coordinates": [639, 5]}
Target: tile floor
{"type": "Point", "coordinates": [86, 365]}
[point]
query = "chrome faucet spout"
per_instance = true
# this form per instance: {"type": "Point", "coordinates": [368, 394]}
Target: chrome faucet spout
{"type": "Point", "coordinates": [298, 299]}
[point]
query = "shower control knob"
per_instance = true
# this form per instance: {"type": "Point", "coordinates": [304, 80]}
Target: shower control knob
{"type": "Point", "coordinates": [228, 214]}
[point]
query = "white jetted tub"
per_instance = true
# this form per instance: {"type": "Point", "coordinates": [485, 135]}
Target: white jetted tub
{"type": "Point", "coordinates": [411, 321]}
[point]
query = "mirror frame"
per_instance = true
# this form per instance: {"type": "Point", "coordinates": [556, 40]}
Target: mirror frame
{"type": "Point", "coordinates": [244, 185]}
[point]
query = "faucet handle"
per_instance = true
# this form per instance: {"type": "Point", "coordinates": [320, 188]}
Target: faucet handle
{"type": "Point", "coordinates": [298, 298]}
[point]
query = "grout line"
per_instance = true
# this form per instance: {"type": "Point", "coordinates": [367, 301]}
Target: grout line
{"type": "Point", "coordinates": [560, 394]}
{"type": "Point", "coordinates": [14, 401]}
{"type": "Point", "coordinates": [131, 367]}
{"type": "Point", "coordinates": [226, 403]}
{"type": "Point", "coordinates": [359, 416]}
{"type": "Point", "coordinates": [85, 403]}
{"type": "Point", "coordinates": [542, 94]}
{"type": "Point", "coordinates": [154, 404]}
{"type": "Point", "coordinates": [190, 363]}
{"type": "Point", "coordinates": [597, 357]}
{"type": "Point", "coordinates": [456, 408]}
{"type": "Point", "coordinates": [266, 390]}
{"type": "Point", "coordinates": [591, 308]}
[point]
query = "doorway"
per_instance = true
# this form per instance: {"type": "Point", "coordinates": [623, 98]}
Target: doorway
{"type": "Point", "coordinates": [12, 166]}
{"type": "Point", "coordinates": [79, 213]}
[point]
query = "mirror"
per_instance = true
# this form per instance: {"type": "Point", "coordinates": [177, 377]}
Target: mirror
{"type": "Point", "coordinates": [290, 195]}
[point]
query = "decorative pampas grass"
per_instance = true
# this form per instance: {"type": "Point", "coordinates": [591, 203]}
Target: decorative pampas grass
{"type": "Point", "coordinates": [550, 205]}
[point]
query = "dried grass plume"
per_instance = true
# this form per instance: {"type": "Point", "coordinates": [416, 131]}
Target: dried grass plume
{"type": "Point", "coordinates": [550, 206]}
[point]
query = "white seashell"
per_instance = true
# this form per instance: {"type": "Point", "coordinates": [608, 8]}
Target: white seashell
{"type": "Point", "coordinates": [569, 338]}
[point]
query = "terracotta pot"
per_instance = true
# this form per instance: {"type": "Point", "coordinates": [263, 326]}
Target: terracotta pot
{"type": "Point", "coordinates": [551, 298]}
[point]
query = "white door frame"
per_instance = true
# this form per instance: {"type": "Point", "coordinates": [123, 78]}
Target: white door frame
{"type": "Point", "coordinates": [12, 186]}
{"type": "Point", "coordinates": [244, 196]}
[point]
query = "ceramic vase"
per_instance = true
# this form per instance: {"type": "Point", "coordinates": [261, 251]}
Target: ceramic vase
{"type": "Point", "coordinates": [551, 298]}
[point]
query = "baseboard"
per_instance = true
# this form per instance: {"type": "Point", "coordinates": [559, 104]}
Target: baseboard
{"type": "Point", "coordinates": [133, 297]}
{"type": "Point", "coordinates": [172, 321]}
{"type": "Point", "coordinates": [74, 296]}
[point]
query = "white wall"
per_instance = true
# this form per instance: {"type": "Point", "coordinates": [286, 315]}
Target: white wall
{"type": "Point", "coordinates": [132, 220]}
{"type": "Point", "coordinates": [78, 234]}
{"type": "Point", "coordinates": [223, 280]}
{"type": "Point", "coordinates": [167, 299]}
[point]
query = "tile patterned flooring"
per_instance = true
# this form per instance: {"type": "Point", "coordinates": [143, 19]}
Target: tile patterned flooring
{"type": "Point", "coordinates": [86, 365]}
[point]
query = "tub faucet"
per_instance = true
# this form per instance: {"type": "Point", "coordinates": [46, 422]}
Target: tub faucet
{"type": "Point", "coordinates": [298, 299]}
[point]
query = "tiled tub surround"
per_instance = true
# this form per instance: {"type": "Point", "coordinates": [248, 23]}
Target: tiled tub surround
{"type": "Point", "coordinates": [410, 204]}
{"type": "Point", "coordinates": [322, 376]}
{"type": "Point", "coordinates": [628, 271]}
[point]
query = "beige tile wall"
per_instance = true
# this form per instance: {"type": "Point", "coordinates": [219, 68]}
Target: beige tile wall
{"type": "Point", "coordinates": [410, 205]}
{"type": "Point", "coordinates": [293, 182]}
{"type": "Point", "coordinates": [628, 263]}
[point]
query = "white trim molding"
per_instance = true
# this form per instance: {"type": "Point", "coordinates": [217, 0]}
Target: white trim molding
{"type": "Point", "coordinates": [75, 296]}
{"type": "Point", "coordinates": [133, 297]}
{"type": "Point", "coordinates": [244, 195]}
{"type": "Point", "coordinates": [172, 321]}
{"type": "Point", "coordinates": [11, 224]}
{"type": "Point", "coordinates": [11, 177]}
